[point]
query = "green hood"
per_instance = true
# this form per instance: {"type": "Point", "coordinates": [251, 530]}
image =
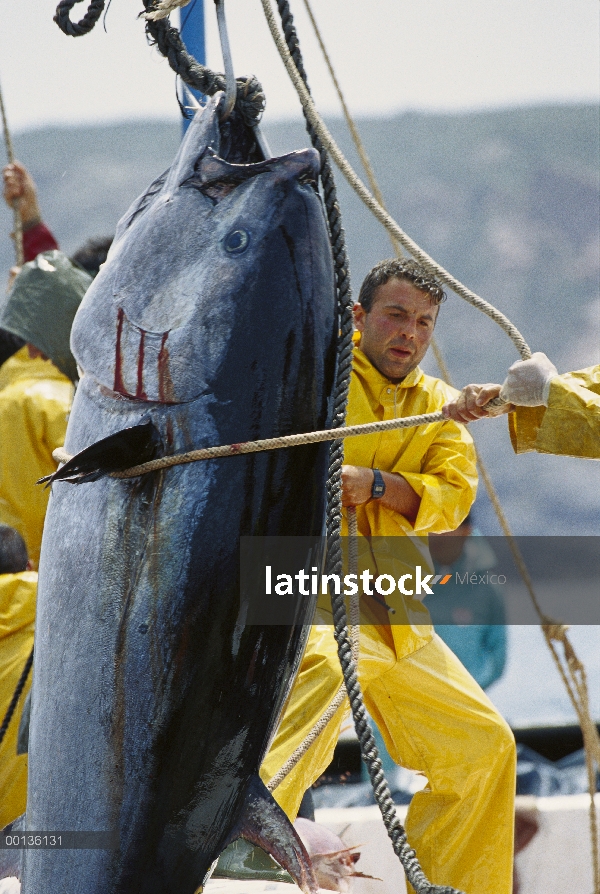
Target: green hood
{"type": "Point", "coordinates": [42, 304]}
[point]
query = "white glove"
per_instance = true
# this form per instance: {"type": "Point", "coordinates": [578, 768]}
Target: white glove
{"type": "Point", "coordinates": [528, 381]}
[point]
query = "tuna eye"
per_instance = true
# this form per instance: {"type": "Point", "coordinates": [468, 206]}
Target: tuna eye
{"type": "Point", "coordinates": [237, 241]}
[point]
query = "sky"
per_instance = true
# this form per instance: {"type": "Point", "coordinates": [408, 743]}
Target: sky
{"type": "Point", "coordinates": [438, 55]}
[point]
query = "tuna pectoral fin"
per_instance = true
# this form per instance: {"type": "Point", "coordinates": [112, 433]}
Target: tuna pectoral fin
{"type": "Point", "coordinates": [127, 448]}
{"type": "Point", "coordinates": [10, 857]}
{"type": "Point", "coordinates": [264, 823]}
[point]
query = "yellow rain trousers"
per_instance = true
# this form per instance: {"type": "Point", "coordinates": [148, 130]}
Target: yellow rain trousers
{"type": "Point", "coordinates": [34, 407]}
{"type": "Point", "coordinates": [569, 425]}
{"type": "Point", "coordinates": [433, 716]}
{"type": "Point", "coordinates": [17, 613]}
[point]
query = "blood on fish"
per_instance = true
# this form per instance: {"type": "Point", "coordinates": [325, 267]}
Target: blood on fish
{"type": "Point", "coordinates": [165, 384]}
{"type": "Point", "coordinates": [119, 386]}
{"type": "Point", "coordinates": [140, 393]}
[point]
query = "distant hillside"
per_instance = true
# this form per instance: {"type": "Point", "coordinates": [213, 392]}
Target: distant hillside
{"type": "Point", "coordinates": [508, 201]}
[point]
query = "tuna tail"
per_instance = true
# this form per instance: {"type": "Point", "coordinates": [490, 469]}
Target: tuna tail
{"type": "Point", "coordinates": [264, 823]}
{"type": "Point", "coordinates": [10, 857]}
{"type": "Point", "coordinates": [127, 448]}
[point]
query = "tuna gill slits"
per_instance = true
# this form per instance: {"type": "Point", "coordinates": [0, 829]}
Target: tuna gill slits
{"type": "Point", "coordinates": [141, 363]}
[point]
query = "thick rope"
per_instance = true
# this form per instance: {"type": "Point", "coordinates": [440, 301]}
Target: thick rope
{"type": "Point", "coordinates": [311, 437]}
{"type": "Point", "coordinates": [16, 696]}
{"type": "Point", "coordinates": [341, 695]}
{"type": "Point", "coordinates": [85, 25]}
{"type": "Point", "coordinates": [17, 222]}
{"type": "Point", "coordinates": [250, 100]}
{"type": "Point", "coordinates": [380, 213]}
{"type": "Point", "coordinates": [406, 854]}
{"type": "Point", "coordinates": [337, 239]}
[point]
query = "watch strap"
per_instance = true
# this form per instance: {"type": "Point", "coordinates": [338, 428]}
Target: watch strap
{"type": "Point", "coordinates": [378, 488]}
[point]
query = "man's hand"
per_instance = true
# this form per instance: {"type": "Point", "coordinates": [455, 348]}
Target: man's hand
{"type": "Point", "coordinates": [19, 187]}
{"type": "Point", "coordinates": [357, 488]}
{"type": "Point", "coordinates": [12, 275]}
{"type": "Point", "coordinates": [357, 484]}
{"type": "Point", "coordinates": [528, 381]}
{"type": "Point", "coordinates": [470, 404]}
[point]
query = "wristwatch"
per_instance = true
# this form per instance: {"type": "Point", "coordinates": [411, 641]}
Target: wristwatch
{"type": "Point", "coordinates": [378, 488]}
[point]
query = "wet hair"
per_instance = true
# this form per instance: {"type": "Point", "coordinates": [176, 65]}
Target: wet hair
{"type": "Point", "coordinates": [399, 268]}
{"type": "Point", "coordinates": [9, 345]}
{"type": "Point", "coordinates": [13, 552]}
{"type": "Point", "coordinates": [91, 255]}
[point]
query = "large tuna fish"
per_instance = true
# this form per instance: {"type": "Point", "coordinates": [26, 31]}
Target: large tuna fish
{"type": "Point", "coordinates": [212, 321]}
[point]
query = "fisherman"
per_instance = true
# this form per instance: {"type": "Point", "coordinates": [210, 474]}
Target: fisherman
{"type": "Point", "coordinates": [433, 717]}
{"type": "Point", "coordinates": [549, 413]}
{"type": "Point", "coordinates": [36, 392]}
{"type": "Point", "coordinates": [34, 406]}
{"type": "Point", "coordinates": [18, 584]}
{"type": "Point", "coordinates": [19, 186]}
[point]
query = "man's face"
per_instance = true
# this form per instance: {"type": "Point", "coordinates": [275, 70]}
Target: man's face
{"type": "Point", "coordinates": [396, 332]}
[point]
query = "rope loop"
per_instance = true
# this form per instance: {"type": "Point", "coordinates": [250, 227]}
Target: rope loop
{"type": "Point", "coordinates": [84, 25]}
{"type": "Point", "coordinates": [250, 101]}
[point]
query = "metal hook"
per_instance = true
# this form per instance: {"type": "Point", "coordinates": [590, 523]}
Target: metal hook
{"type": "Point", "coordinates": [230, 83]}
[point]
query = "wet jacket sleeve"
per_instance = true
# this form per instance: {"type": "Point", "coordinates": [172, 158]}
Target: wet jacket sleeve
{"type": "Point", "coordinates": [447, 483]}
{"type": "Point", "coordinates": [37, 239]}
{"type": "Point", "coordinates": [570, 425]}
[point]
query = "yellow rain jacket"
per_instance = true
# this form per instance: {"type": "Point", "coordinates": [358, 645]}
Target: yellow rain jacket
{"type": "Point", "coordinates": [14, 368]}
{"type": "Point", "coordinates": [17, 613]}
{"type": "Point", "coordinates": [569, 425]}
{"type": "Point", "coordinates": [34, 406]}
{"type": "Point", "coordinates": [432, 715]}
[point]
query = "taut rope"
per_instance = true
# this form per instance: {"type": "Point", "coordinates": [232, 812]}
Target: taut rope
{"type": "Point", "coordinates": [18, 224]}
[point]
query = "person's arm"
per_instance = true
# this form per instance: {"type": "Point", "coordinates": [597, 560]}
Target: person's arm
{"type": "Point", "coordinates": [399, 496]}
{"type": "Point", "coordinates": [527, 384]}
{"type": "Point", "coordinates": [447, 482]}
{"type": "Point", "coordinates": [434, 500]}
{"type": "Point", "coordinates": [19, 186]}
{"type": "Point", "coordinates": [470, 404]}
{"type": "Point", "coordinates": [569, 425]}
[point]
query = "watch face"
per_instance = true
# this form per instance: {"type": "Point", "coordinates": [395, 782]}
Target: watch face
{"type": "Point", "coordinates": [378, 488]}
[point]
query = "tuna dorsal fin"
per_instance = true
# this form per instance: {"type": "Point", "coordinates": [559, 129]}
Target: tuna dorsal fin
{"type": "Point", "coordinates": [10, 858]}
{"type": "Point", "coordinates": [118, 452]}
{"type": "Point", "coordinates": [264, 823]}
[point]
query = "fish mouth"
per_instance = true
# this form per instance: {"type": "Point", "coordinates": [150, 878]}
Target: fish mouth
{"type": "Point", "coordinates": [216, 178]}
